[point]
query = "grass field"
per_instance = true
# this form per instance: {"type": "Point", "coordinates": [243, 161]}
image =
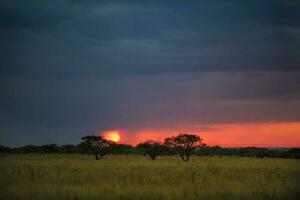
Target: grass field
{"type": "Point", "coordinates": [137, 177]}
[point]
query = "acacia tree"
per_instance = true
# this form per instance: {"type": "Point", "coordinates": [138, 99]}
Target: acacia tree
{"type": "Point", "coordinates": [152, 148]}
{"type": "Point", "coordinates": [96, 145]}
{"type": "Point", "coordinates": [184, 144]}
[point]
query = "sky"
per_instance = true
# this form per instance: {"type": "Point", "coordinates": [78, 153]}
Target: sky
{"type": "Point", "coordinates": [226, 70]}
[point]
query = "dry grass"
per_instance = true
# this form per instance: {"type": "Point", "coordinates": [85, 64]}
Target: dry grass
{"type": "Point", "coordinates": [137, 177]}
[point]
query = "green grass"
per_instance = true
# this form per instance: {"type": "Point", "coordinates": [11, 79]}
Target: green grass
{"type": "Point", "coordinates": [137, 177]}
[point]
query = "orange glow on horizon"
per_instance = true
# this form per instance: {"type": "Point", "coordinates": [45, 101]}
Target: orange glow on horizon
{"type": "Point", "coordinates": [284, 134]}
{"type": "Point", "coordinates": [112, 135]}
{"type": "Point", "coordinates": [254, 134]}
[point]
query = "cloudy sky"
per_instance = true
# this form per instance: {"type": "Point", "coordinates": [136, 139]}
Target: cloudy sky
{"type": "Point", "coordinates": [227, 71]}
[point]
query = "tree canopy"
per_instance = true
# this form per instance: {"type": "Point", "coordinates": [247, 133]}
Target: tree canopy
{"type": "Point", "coordinates": [184, 144]}
{"type": "Point", "coordinates": [97, 145]}
{"type": "Point", "coordinates": [151, 148]}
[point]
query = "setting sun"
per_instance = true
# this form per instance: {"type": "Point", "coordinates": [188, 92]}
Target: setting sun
{"type": "Point", "coordinates": [112, 135]}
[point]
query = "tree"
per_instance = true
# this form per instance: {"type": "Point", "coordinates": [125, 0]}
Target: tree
{"type": "Point", "coordinates": [152, 148]}
{"type": "Point", "coordinates": [32, 149]}
{"type": "Point", "coordinates": [120, 149]}
{"type": "Point", "coordinates": [184, 144]}
{"type": "Point", "coordinates": [49, 148]}
{"type": "Point", "coordinates": [4, 149]}
{"type": "Point", "coordinates": [292, 153]}
{"type": "Point", "coordinates": [68, 148]}
{"type": "Point", "coordinates": [97, 145]}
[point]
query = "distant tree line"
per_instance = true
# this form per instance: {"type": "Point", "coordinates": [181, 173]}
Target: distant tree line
{"type": "Point", "coordinates": [183, 145]}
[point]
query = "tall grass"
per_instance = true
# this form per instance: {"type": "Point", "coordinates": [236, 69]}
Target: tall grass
{"type": "Point", "coordinates": [138, 177]}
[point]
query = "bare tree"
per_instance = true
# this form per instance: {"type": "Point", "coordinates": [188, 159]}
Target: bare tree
{"type": "Point", "coordinates": [184, 144]}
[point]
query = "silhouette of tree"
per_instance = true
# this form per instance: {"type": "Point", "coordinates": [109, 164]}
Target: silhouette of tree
{"type": "Point", "coordinates": [292, 153]}
{"type": "Point", "coordinates": [49, 148]}
{"type": "Point", "coordinates": [97, 145]}
{"type": "Point", "coordinates": [184, 144]}
{"type": "Point", "coordinates": [152, 148]}
{"type": "Point", "coordinates": [68, 148]}
{"type": "Point", "coordinates": [120, 149]}
{"type": "Point", "coordinates": [31, 149]}
{"type": "Point", "coordinates": [4, 149]}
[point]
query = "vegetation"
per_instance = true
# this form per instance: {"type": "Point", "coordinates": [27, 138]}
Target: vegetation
{"type": "Point", "coordinates": [65, 172]}
{"type": "Point", "coordinates": [184, 144]}
{"type": "Point", "coordinates": [96, 145]}
{"type": "Point", "coordinates": [124, 149]}
{"type": "Point", "coordinates": [75, 176]}
{"type": "Point", "coordinates": [151, 148]}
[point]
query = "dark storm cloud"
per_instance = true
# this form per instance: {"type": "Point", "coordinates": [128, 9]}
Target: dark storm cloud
{"type": "Point", "coordinates": [65, 39]}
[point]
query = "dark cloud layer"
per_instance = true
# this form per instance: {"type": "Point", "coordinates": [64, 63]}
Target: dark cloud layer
{"type": "Point", "coordinates": [71, 67]}
{"type": "Point", "coordinates": [63, 39]}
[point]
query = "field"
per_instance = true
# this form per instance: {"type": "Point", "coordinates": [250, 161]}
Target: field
{"type": "Point", "coordinates": [77, 177]}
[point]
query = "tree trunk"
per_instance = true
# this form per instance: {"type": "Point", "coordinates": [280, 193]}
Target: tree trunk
{"type": "Point", "coordinates": [152, 156]}
{"type": "Point", "coordinates": [187, 158]}
{"type": "Point", "coordinates": [182, 157]}
{"type": "Point", "coordinates": [100, 156]}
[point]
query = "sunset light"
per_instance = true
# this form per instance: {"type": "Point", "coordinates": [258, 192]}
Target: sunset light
{"type": "Point", "coordinates": [112, 135]}
{"type": "Point", "coordinates": [268, 134]}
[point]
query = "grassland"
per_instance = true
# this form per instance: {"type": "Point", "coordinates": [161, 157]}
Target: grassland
{"type": "Point", "coordinates": [137, 177]}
